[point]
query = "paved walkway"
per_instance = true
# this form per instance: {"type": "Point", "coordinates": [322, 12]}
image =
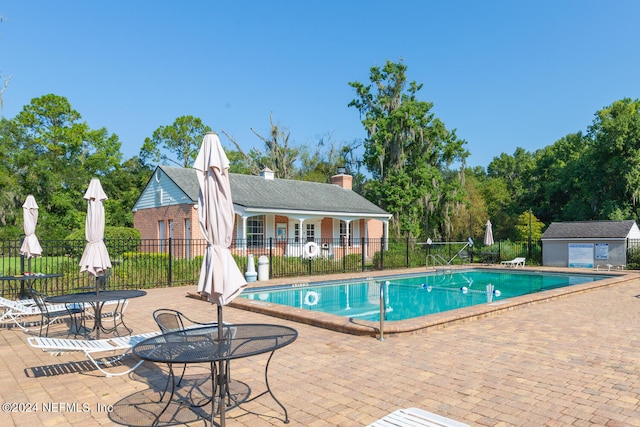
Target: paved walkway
{"type": "Point", "coordinates": [572, 361]}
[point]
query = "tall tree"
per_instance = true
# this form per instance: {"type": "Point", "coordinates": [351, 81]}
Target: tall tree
{"type": "Point", "coordinates": [513, 173]}
{"type": "Point", "coordinates": [527, 225]}
{"type": "Point", "coordinates": [322, 162]}
{"type": "Point", "coordinates": [56, 154]}
{"type": "Point", "coordinates": [408, 151]}
{"type": "Point", "coordinates": [181, 139]}
{"type": "Point", "coordinates": [515, 170]}
{"type": "Point", "coordinates": [557, 179]}
{"type": "Point", "coordinates": [279, 156]}
{"type": "Point", "coordinates": [5, 85]}
{"type": "Point", "coordinates": [123, 186]}
{"type": "Point", "coordinates": [471, 216]}
{"type": "Point", "coordinates": [11, 191]}
{"type": "Point", "coordinates": [319, 164]}
{"type": "Point", "coordinates": [614, 173]}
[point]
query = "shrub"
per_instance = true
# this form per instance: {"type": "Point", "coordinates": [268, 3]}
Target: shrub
{"type": "Point", "coordinates": [117, 239]}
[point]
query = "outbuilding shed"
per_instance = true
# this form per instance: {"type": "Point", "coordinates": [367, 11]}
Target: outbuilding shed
{"type": "Point", "coordinates": [588, 244]}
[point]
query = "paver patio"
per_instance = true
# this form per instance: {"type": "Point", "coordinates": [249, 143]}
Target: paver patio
{"type": "Point", "coordinates": [572, 361]}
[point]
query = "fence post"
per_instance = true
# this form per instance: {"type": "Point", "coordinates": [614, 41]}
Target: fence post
{"type": "Point", "coordinates": [21, 257]}
{"type": "Point", "coordinates": [170, 261]}
{"type": "Point", "coordinates": [362, 249]}
{"type": "Point", "coordinates": [407, 252]}
{"type": "Point", "coordinates": [270, 257]}
{"type": "Point", "coordinates": [382, 253]}
{"type": "Point", "coordinates": [345, 242]}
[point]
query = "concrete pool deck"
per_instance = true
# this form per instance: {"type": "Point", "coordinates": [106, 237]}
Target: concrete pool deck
{"type": "Point", "coordinates": [566, 360]}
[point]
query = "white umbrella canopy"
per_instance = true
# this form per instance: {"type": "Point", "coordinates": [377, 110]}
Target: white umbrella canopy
{"type": "Point", "coordinates": [95, 258]}
{"type": "Point", "coordinates": [488, 234]}
{"type": "Point", "coordinates": [30, 246]}
{"type": "Point", "coordinates": [220, 277]}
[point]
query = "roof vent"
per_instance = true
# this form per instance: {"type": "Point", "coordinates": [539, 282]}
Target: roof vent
{"type": "Point", "coordinates": [267, 173]}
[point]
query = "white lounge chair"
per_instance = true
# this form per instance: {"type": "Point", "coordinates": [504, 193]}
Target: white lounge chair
{"type": "Point", "coordinates": [92, 348]}
{"type": "Point", "coordinates": [514, 262]}
{"type": "Point", "coordinates": [16, 310]}
{"type": "Point", "coordinates": [416, 418]}
{"type": "Point", "coordinates": [607, 266]}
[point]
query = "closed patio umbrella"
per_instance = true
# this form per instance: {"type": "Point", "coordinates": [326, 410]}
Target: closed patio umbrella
{"type": "Point", "coordinates": [95, 258]}
{"type": "Point", "coordinates": [220, 278]}
{"type": "Point", "coordinates": [488, 234]}
{"type": "Point", "coordinates": [30, 246]}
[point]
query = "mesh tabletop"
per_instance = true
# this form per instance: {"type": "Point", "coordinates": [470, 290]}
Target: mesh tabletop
{"type": "Point", "coordinates": [28, 277]}
{"type": "Point", "coordinates": [199, 345]}
{"type": "Point", "coordinates": [88, 297]}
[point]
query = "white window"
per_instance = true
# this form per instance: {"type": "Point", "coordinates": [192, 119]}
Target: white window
{"type": "Point", "coordinates": [161, 234]}
{"type": "Point", "coordinates": [343, 235]}
{"type": "Point", "coordinates": [187, 237]}
{"type": "Point", "coordinates": [310, 232]}
{"type": "Point", "coordinates": [255, 231]}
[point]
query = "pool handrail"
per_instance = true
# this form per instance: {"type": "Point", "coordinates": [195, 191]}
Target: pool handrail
{"type": "Point", "coordinates": [382, 309]}
{"type": "Point", "coordinates": [438, 260]}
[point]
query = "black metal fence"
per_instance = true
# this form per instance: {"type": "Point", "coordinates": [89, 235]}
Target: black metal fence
{"type": "Point", "coordinates": [151, 263]}
{"type": "Point", "coordinates": [633, 254]}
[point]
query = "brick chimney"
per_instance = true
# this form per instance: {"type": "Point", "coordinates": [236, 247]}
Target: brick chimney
{"type": "Point", "coordinates": [342, 180]}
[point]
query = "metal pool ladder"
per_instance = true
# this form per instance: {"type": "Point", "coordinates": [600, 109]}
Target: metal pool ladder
{"type": "Point", "coordinates": [383, 309]}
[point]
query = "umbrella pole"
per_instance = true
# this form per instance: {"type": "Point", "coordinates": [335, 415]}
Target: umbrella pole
{"type": "Point", "coordinates": [222, 380]}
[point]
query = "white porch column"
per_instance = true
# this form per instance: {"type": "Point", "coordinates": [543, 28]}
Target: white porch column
{"type": "Point", "coordinates": [303, 232]}
{"type": "Point", "coordinates": [347, 222]}
{"type": "Point", "coordinates": [244, 236]}
{"type": "Point", "coordinates": [365, 246]}
{"type": "Point", "coordinates": [385, 228]}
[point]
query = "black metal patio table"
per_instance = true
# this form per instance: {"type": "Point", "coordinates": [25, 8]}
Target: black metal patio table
{"type": "Point", "coordinates": [96, 300]}
{"type": "Point", "coordinates": [26, 279]}
{"type": "Point", "coordinates": [217, 348]}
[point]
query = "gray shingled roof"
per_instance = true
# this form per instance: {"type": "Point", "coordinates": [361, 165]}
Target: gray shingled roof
{"type": "Point", "coordinates": [185, 178]}
{"type": "Point", "coordinates": [588, 230]}
{"type": "Point", "coordinates": [252, 191]}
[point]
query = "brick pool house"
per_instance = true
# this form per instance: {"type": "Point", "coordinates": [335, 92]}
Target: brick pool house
{"type": "Point", "coordinates": [298, 218]}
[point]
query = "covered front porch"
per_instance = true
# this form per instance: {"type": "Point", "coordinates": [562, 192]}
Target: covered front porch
{"type": "Point", "coordinates": [297, 234]}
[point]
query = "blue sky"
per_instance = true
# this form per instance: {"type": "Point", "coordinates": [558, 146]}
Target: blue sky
{"type": "Point", "coordinates": [504, 74]}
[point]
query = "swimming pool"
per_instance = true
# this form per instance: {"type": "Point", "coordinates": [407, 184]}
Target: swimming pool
{"type": "Point", "coordinates": [408, 297]}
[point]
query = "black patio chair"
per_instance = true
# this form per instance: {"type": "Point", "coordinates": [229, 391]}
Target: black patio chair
{"type": "Point", "coordinates": [169, 320]}
{"type": "Point", "coordinates": [51, 313]}
{"type": "Point", "coordinates": [173, 320]}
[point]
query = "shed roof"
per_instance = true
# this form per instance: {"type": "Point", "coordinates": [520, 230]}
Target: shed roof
{"type": "Point", "coordinates": [256, 192]}
{"type": "Point", "coordinates": [589, 230]}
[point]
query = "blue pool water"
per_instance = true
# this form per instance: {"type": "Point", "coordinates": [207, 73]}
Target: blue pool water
{"type": "Point", "coordinates": [413, 296]}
